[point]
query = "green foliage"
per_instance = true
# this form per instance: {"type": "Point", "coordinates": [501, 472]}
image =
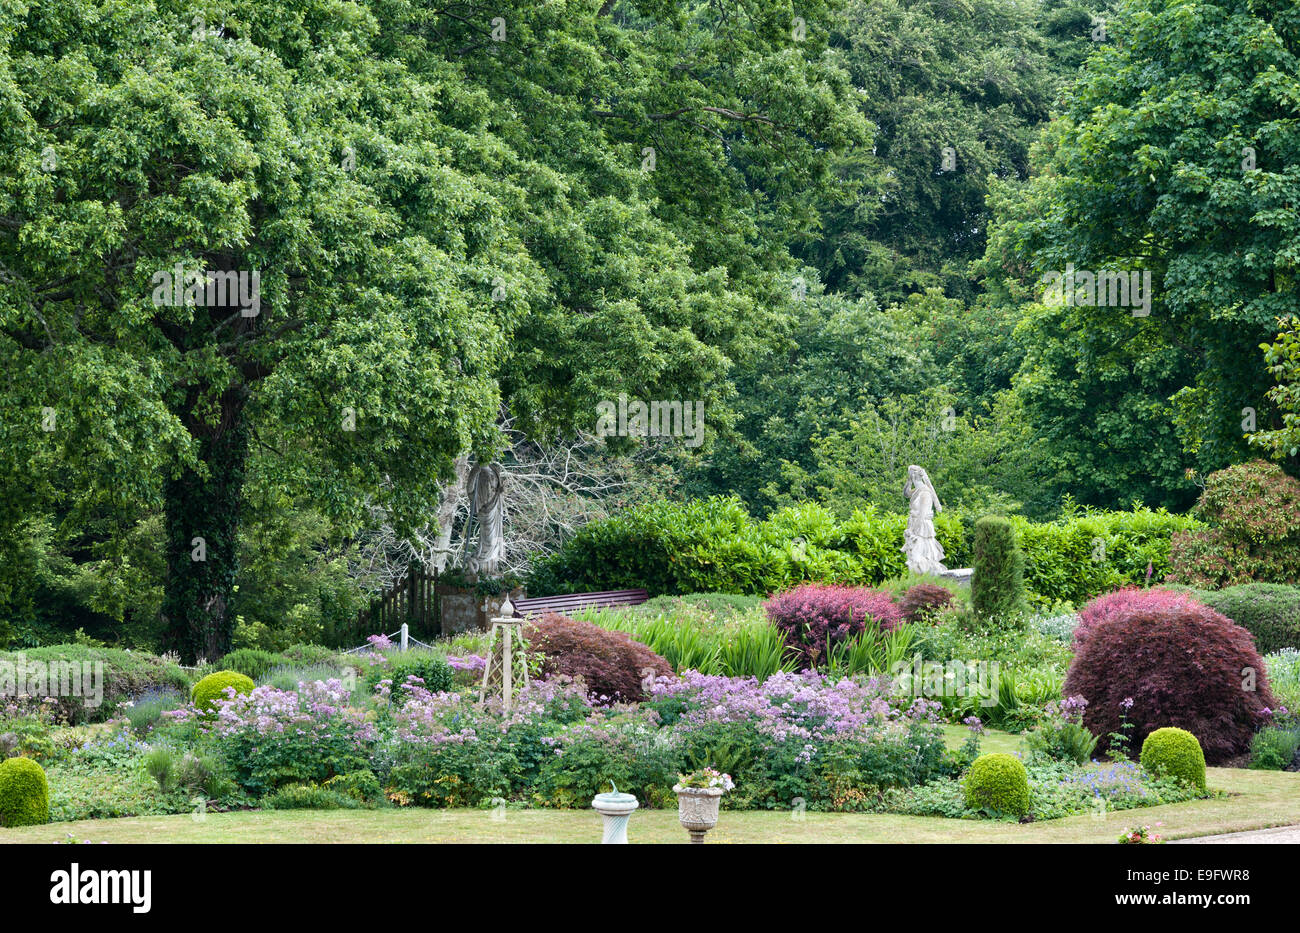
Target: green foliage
{"type": "Point", "coordinates": [361, 786]}
{"type": "Point", "coordinates": [452, 774]}
{"type": "Point", "coordinates": [743, 646]}
{"type": "Point", "coordinates": [997, 783]}
{"type": "Point", "coordinates": [1274, 748]}
{"type": "Point", "coordinates": [253, 662]}
{"type": "Point", "coordinates": [214, 686]}
{"type": "Point", "coordinates": [1124, 403]}
{"type": "Point", "coordinates": [126, 674]}
{"type": "Point", "coordinates": [1269, 611]}
{"type": "Point", "coordinates": [997, 585]}
{"type": "Point", "coordinates": [1087, 552]}
{"type": "Point", "coordinates": [430, 667]}
{"type": "Point", "coordinates": [714, 544]}
{"type": "Point", "coordinates": [1284, 677]}
{"type": "Point", "coordinates": [309, 797]}
{"type": "Point", "coordinates": [24, 793]}
{"type": "Point", "coordinates": [1175, 753]}
{"type": "Point", "coordinates": [1254, 536]}
{"type": "Point", "coordinates": [1283, 359]}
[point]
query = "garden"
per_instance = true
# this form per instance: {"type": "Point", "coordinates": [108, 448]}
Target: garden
{"type": "Point", "coordinates": [916, 697]}
{"type": "Point", "coordinates": [691, 421]}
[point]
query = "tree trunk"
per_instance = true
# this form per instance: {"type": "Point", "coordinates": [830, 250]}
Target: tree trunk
{"type": "Point", "coordinates": [202, 514]}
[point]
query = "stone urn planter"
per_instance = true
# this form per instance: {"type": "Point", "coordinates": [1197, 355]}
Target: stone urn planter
{"type": "Point", "coordinates": [616, 808]}
{"type": "Point", "coordinates": [697, 810]}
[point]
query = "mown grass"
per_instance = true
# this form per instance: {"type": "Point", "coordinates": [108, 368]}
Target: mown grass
{"type": "Point", "coordinates": [1257, 800]}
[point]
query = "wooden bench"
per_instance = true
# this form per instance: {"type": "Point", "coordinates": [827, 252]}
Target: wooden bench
{"type": "Point", "coordinates": [575, 601]}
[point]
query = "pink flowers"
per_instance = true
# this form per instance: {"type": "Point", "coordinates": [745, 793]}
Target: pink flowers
{"type": "Point", "coordinates": [316, 708]}
{"type": "Point", "coordinates": [813, 616]}
{"type": "Point", "coordinates": [805, 707]}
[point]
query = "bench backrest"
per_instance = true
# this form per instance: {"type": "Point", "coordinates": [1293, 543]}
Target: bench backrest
{"type": "Point", "coordinates": [575, 601]}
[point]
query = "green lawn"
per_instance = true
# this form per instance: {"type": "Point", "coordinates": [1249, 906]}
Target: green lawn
{"type": "Point", "coordinates": [1259, 799]}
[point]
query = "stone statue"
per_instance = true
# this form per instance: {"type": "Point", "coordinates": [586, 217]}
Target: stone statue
{"type": "Point", "coordinates": [484, 487]}
{"type": "Point", "coordinates": [924, 553]}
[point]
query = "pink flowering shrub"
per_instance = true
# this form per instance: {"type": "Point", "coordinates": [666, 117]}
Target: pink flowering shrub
{"type": "Point", "coordinates": [1125, 602]}
{"type": "Point", "coordinates": [275, 737]}
{"type": "Point", "coordinates": [813, 616]}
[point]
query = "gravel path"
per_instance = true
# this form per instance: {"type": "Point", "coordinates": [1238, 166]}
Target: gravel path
{"type": "Point", "coordinates": [1278, 835]}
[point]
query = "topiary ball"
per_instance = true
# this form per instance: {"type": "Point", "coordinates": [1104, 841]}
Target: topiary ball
{"type": "Point", "coordinates": [24, 793]}
{"type": "Point", "coordinates": [998, 782]}
{"type": "Point", "coordinates": [1175, 753]}
{"type": "Point", "coordinates": [213, 687]}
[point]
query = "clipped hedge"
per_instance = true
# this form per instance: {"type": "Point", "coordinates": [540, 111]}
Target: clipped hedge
{"type": "Point", "coordinates": [714, 545]}
{"type": "Point", "coordinates": [999, 783]}
{"type": "Point", "coordinates": [1175, 753]}
{"type": "Point", "coordinates": [24, 793]}
{"type": "Point", "coordinates": [1269, 611]}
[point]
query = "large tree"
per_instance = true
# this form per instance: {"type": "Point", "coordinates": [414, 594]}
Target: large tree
{"type": "Point", "coordinates": [443, 225]}
{"type": "Point", "coordinates": [1176, 155]}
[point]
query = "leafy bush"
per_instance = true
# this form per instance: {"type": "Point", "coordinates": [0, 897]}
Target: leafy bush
{"type": "Point", "coordinates": [1269, 611]}
{"type": "Point", "coordinates": [275, 737]}
{"type": "Point", "coordinates": [361, 786]}
{"type": "Point", "coordinates": [213, 688]}
{"type": "Point", "coordinates": [253, 662]}
{"type": "Point", "coordinates": [924, 601]}
{"type": "Point", "coordinates": [430, 668]}
{"type": "Point", "coordinates": [24, 793]}
{"type": "Point", "coordinates": [125, 674]}
{"type": "Point", "coordinates": [311, 654]}
{"type": "Point", "coordinates": [310, 797]}
{"type": "Point", "coordinates": [1254, 513]}
{"type": "Point", "coordinates": [612, 665]}
{"type": "Point", "coordinates": [1284, 678]}
{"type": "Point", "coordinates": [1160, 664]}
{"type": "Point", "coordinates": [814, 618]}
{"type": "Point", "coordinates": [998, 783]}
{"type": "Point", "coordinates": [1121, 602]}
{"type": "Point", "coordinates": [997, 584]}
{"type": "Point", "coordinates": [1175, 753]}
{"type": "Point", "coordinates": [1274, 748]}
{"type": "Point", "coordinates": [1062, 735]}
{"type": "Point", "coordinates": [1089, 552]}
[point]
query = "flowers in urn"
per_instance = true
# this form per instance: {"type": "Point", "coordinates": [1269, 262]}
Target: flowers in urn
{"type": "Point", "coordinates": [703, 778]}
{"type": "Point", "coordinates": [698, 796]}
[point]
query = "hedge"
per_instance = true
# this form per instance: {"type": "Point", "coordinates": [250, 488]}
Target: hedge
{"type": "Point", "coordinates": [715, 545]}
{"type": "Point", "coordinates": [1269, 611]}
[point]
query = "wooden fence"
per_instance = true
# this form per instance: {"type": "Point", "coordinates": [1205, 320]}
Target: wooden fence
{"type": "Point", "coordinates": [412, 600]}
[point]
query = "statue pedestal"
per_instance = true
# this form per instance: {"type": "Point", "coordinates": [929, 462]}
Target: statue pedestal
{"type": "Point", "coordinates": [960, 577]}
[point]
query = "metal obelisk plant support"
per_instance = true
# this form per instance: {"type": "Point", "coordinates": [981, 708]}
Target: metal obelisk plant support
{"type": "Point", "coordinates": [510, 631]}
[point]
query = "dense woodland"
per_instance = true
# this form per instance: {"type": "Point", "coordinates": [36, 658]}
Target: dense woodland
{"type": "Point", "coordinates": [829, 222]}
